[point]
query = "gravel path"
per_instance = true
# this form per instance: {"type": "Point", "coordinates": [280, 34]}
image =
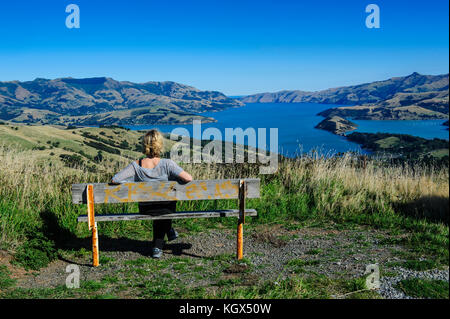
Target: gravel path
{"type": "Point", "coordinates": [336, 254]}
{"type": "Point", "coordinates": [387, 284]}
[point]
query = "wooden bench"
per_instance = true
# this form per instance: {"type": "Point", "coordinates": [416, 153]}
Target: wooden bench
{"type": "Point", "coordinates": [100, 193]}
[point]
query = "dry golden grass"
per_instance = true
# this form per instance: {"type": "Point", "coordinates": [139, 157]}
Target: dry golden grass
{"type": "Point", "coordinates": [30, 181]}
{"type": "Point", "coordinates": [329, 187]}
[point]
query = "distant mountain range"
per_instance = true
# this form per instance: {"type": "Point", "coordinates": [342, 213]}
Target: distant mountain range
{"type": "Point", "coordinates": [104, 101]}
{"type": "Point", "coordinates": [95, 101]}
{"type": "Point", "coordinates": [411, 97]}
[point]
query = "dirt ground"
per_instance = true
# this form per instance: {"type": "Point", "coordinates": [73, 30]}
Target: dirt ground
{"type": "Point", "coordinates": [334, 253]}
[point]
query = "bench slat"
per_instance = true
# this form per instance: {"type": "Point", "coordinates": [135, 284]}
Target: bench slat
{"type": "Point", "coordinates": [165, 191]}
{"type": "Point", "coordinates": [178, 215]}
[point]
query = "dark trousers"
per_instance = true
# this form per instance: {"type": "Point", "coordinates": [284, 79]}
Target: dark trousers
{"type": "Point", "coordinates": [160, 226]}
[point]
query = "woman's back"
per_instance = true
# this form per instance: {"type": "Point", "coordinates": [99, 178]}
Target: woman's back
{"type": "Point", "coordinates": [162, 170]}
{"type": "Point", "coordinates": [153, 168]}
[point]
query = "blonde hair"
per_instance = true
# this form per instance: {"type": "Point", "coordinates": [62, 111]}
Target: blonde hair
{"type": "Point", "coordinates": [153, 143]}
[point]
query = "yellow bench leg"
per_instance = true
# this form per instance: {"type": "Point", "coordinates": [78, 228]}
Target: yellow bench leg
{"type": "Point", "coordinates": [92, 224]}
{"type": "Point", "coordinates": [240, 240]}
{"type": "Point", "coordinates": [95, 257]}
{"type": "Point", "coordinates": [241, 220]}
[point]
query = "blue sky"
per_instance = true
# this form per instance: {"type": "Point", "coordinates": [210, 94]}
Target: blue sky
{"type": "Point", "coordinates": [236, 47]}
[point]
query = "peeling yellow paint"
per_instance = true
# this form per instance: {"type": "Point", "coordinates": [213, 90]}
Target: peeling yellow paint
{"type": "Point", "coordinates": [141, 192]}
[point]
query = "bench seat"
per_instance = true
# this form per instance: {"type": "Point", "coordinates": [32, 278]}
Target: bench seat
{"type": "Point", "coordinates": [177, 215]}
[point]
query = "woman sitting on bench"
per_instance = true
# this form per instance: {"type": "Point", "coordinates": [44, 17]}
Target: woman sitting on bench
{"type": "Point", "coordinates": [154, 168]}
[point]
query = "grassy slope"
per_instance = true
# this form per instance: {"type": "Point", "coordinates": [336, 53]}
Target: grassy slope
{"type": "Point", "coordinates": [70, 141]}
{"type": "Point", "coordinates": [371, 112]}
{"type": "Point", "coordinates": [38, 218]}
{"type": "Point", "coordinates": [136, 116]}
{"type": "Point", "coordinates": [407, 146]}
{"type": "Point", "coordinates": [393, 142]}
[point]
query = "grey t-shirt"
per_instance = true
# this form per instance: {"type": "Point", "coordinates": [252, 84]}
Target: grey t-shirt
{"type": "Point", "coordinates": [166, 170]}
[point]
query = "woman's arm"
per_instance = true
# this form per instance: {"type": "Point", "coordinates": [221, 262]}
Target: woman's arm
{"type": "Point", "coordinates": [185, 177]}
{"type": "Point", "coordinates": [177, 173]}
{"type": "Point", "coordinates": [124, 175]}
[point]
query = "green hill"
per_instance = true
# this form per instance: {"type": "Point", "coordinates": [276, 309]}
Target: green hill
{"type": "Point", "coordinates": [415, 96]}
{"type": "Point", "coordinates": [336, 125]}
{"type": "Point", "coordinates": [106, 101]}
{"type": "Point", "coordinates": [405, 147]}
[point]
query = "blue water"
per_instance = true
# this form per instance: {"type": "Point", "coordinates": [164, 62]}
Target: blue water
{"type": "Point", "coordinates": [428, 129]}
{"type": "Point", "coordinates": [295, 123]}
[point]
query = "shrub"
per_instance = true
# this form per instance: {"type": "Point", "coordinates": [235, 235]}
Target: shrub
{"type": "Point", "coordinates": [103, 147]}
{"type": "Point", "coordinates": [99, 157]}
{"type": "Point", "coordinates": [72, 160]}
{"type": "Point", "coordinates": [36, 252]}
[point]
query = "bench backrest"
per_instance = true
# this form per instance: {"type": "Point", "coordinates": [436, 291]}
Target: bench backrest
{"type": "Point", "coordinates": [165, 191]}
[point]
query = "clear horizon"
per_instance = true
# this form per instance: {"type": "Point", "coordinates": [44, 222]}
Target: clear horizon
{"type": "Point", "coordinates": [231, 95]}
{"type": "Point", "coordinates": [235, 47]}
